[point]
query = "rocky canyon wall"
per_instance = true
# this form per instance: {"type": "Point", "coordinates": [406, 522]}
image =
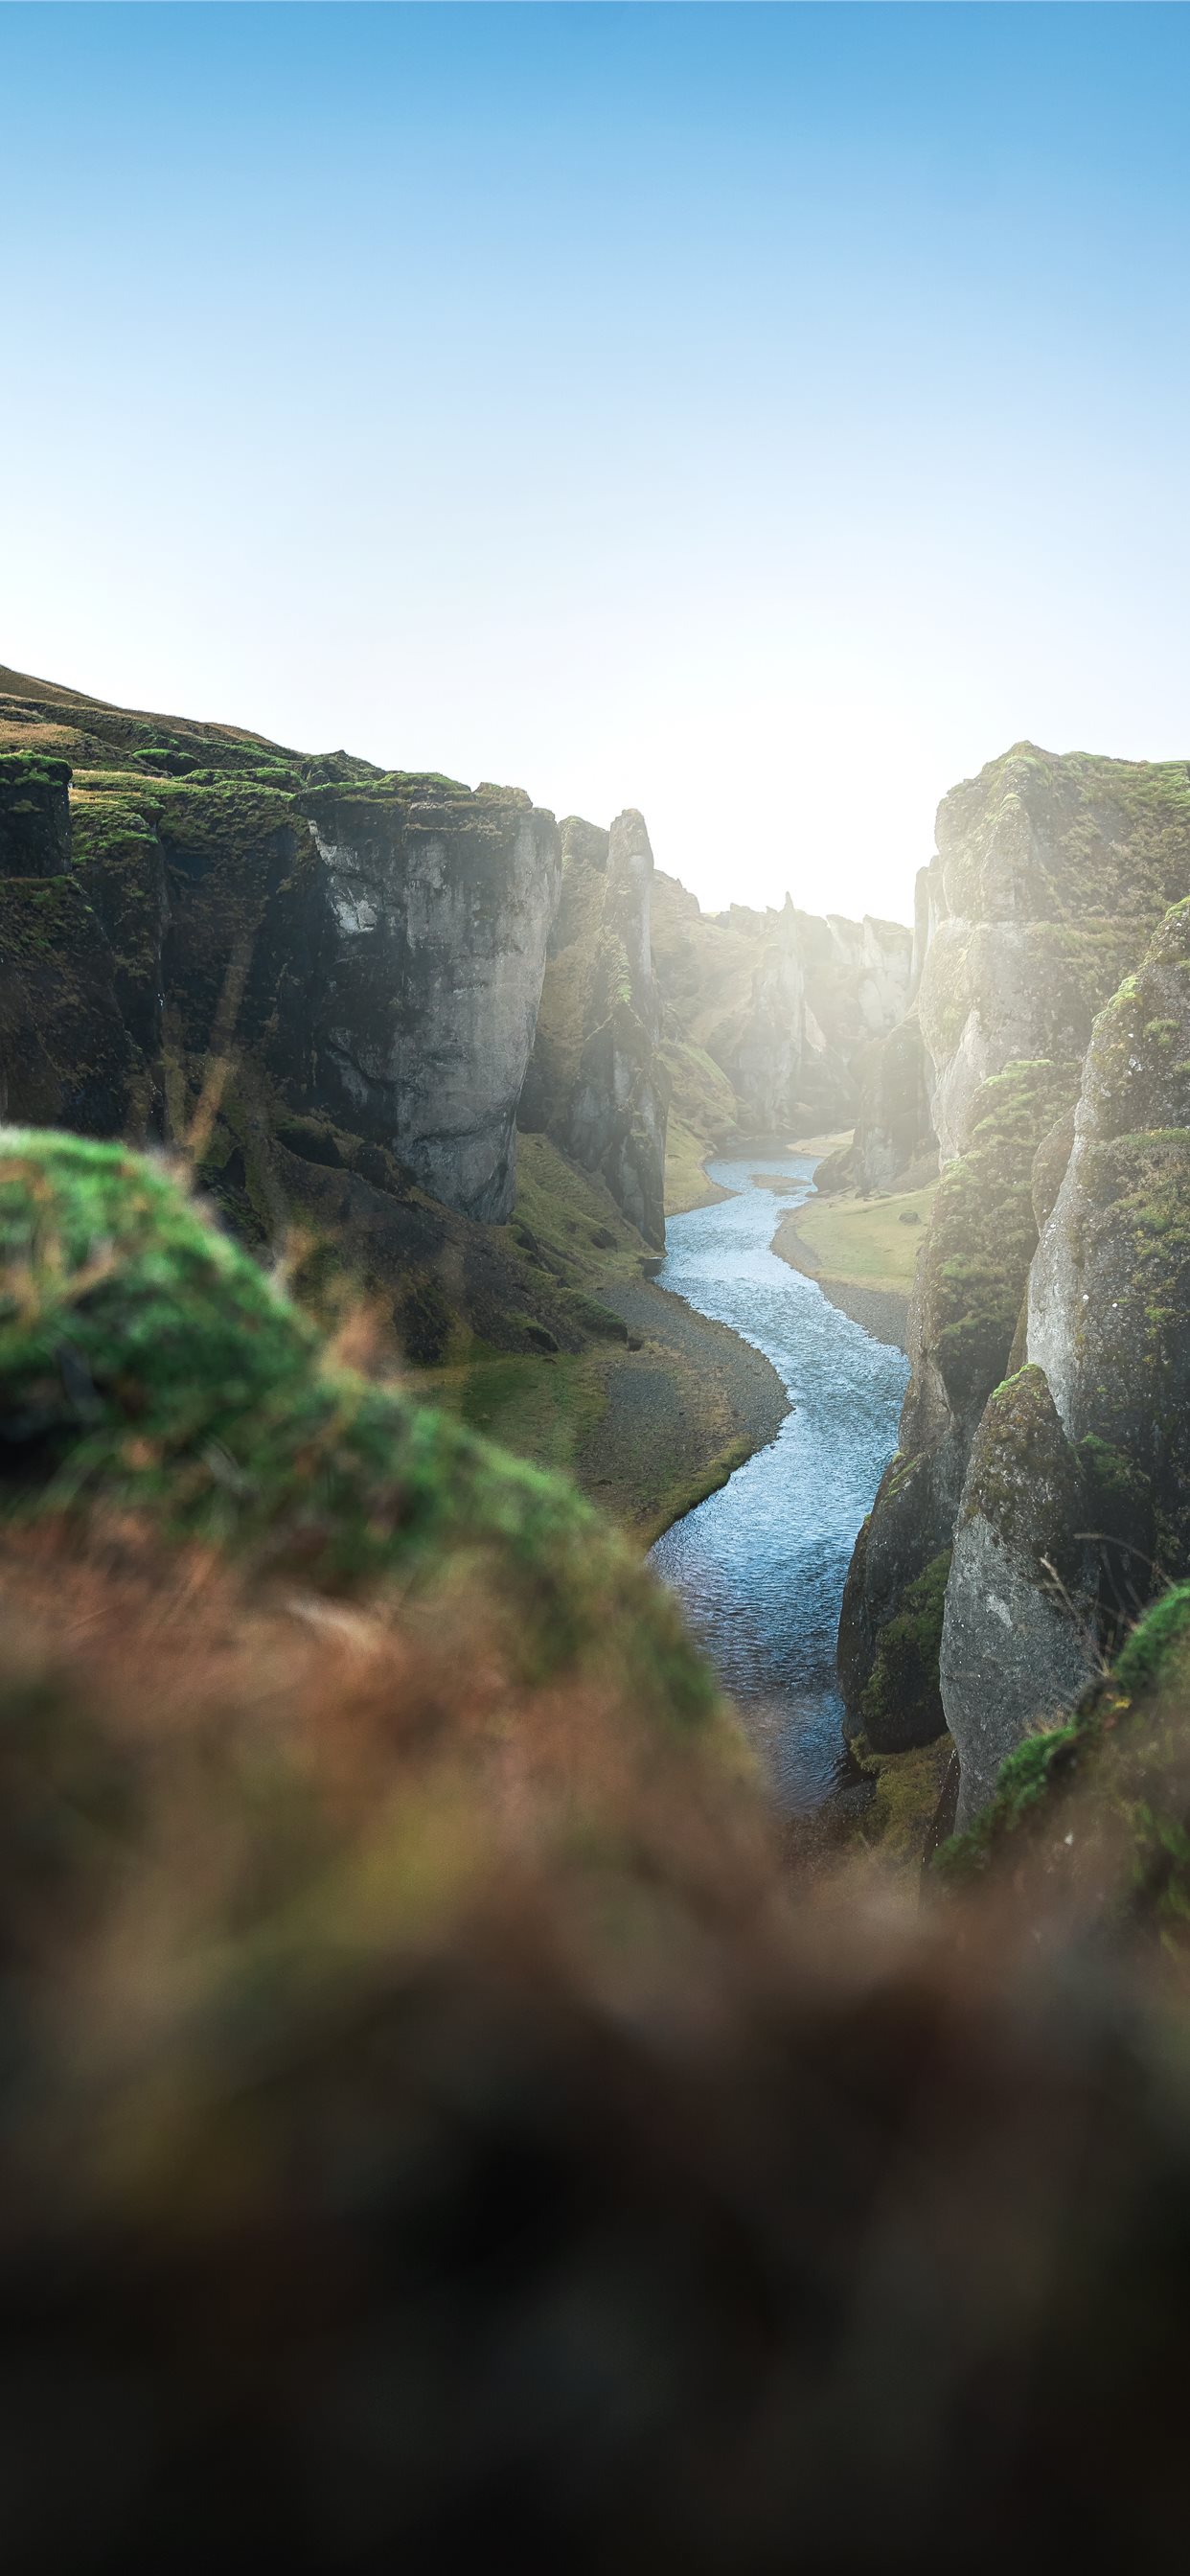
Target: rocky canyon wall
{"type": "Point", "coordinates": [596, 1082]}
{"type": "Point", "coordinates": [374, 945]}
{"type": "Point", "coordinates": [1044, 1433]}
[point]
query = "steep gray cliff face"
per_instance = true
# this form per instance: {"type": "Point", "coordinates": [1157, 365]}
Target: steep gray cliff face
{"type": "Point", "coordinates": [596, 1082]}
{"type": "Point", "coordinates": [438, 907]}
{"type": "Point", "coordinates": [366, 946]}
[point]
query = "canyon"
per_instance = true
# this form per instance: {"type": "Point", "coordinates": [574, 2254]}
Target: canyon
{"type": "Point", "coordinates": [456, 1061]}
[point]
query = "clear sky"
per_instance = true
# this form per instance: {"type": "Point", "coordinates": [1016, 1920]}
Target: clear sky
{"type": "Point", "coordinates": [759, 414]}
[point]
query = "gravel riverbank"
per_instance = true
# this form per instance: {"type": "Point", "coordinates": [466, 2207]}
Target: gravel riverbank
{"type": "Point", "coordinates": [681, 1413]}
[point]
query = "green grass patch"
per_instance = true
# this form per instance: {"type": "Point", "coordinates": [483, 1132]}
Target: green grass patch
{"type": "Point", "coordinates": [864, 1241]}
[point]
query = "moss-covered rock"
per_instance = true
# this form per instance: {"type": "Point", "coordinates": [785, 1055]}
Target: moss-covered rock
{"type": "Point", "coordinates": [148, 1366]}
{"type": "Point", "coordinates": [901, 1704]}
{"type": "Point", "coordinates": [1018, 1636]}
{"type": "Point", "coordinates": [34, 814]}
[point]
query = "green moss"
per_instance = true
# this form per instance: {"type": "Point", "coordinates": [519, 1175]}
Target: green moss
{"type": "Point", "coordinates": [1026, 1781]}
{"type": "Point", "coordinates": [147, 1365]}
{"type": "Point", "coordinates": [903, 1699]}
{"type": "Point", "coordinates": [1158, 1640]}
{"type": "Point", "coordinates": [38, 768]}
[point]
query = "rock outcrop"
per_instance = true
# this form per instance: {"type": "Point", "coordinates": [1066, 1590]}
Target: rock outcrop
{"type": "Point", "coordinates": [596, 1082]}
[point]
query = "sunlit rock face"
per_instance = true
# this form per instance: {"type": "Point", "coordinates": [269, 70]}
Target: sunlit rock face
{"type": "Point", "coordinates": [596, 1082]}
{"type": "Point", "coordinates": [438, 907]}
{"type": "Point", "coordinates": [348, 943]}
{"type": "Point", "coordinates": [1052, 872]}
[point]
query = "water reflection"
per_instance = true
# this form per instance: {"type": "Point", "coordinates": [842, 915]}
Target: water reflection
{"type": "Point", "coordinates": [760, 1565]}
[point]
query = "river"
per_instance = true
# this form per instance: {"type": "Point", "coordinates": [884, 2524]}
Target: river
{"type": "Point", "coordinates": [760, 1565]}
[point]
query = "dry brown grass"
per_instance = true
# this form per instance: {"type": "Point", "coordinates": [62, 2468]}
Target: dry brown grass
{"type": "Point", "coordinates": [431, 2115]}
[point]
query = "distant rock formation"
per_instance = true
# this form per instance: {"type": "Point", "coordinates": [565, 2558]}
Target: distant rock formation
{"type": "Point", "coordinates": [781, 1005]}
{"type": "Point", "coordinates": [893, 1134]}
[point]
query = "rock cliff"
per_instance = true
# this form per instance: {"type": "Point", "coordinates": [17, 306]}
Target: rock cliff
{"type": "Point", "coordinates": [1050, 871]}
{"type": "Point", "coordinates": [377, 943]}
{"type": "Point", "coordinates": [595, 1081]}
{"type": "Point", "coordinates": [1062, 1489]}
{"type": "Point", "coordinates": [1108, 1347]}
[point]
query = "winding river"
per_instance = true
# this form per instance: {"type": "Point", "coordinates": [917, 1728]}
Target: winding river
{"type": "Point", "coordinates": [760, 1565]}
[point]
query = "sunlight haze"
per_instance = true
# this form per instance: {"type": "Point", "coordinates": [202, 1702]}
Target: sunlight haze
{"type": "Point", "coordinates": [760, 416]}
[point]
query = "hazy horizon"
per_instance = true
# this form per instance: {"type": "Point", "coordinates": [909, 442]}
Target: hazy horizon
{"type": "Point", "coordinates": [760, 415]}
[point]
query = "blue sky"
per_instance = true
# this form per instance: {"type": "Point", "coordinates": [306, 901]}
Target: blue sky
{"type": "Point", "coordinates": [759, 414]}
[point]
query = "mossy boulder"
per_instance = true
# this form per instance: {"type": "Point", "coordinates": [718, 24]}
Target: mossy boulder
{"type": "Point", "coordinates": [148, 1367]}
